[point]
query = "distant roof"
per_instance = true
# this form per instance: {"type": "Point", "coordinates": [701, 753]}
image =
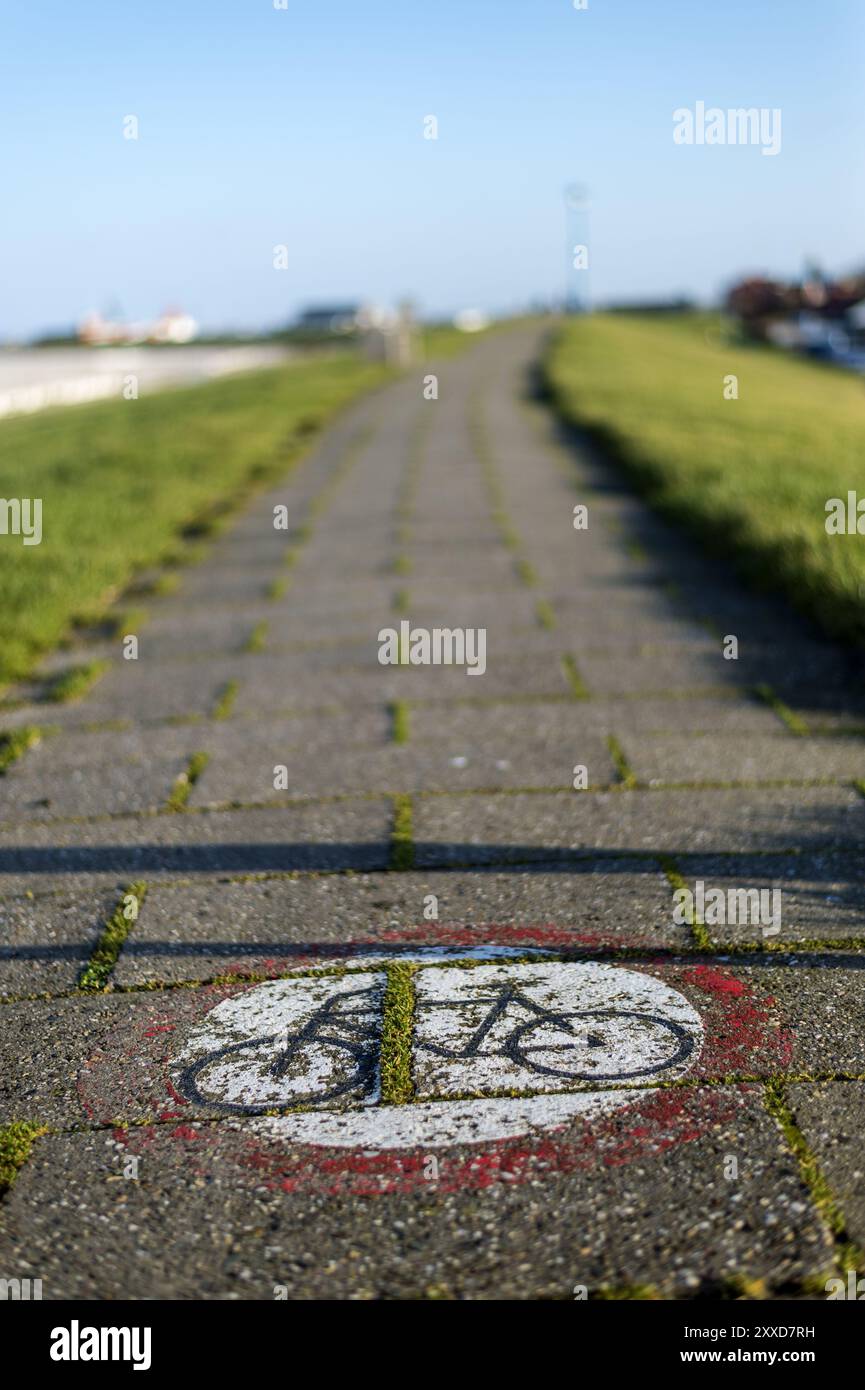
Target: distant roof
{"type": "Point", "coordinates": [321, 312]}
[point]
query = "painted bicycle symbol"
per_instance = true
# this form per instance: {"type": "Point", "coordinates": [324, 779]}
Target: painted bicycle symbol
{"type": "Point", "coordinates": [334, 1052]}
{"type": "Point", "coordinates": [344, 1030]}
{"type": "Point", "coordinates": [559, 1034]}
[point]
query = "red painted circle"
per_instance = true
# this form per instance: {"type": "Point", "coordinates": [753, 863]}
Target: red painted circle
{"type": "Point", "coordinates": [129, 1079]}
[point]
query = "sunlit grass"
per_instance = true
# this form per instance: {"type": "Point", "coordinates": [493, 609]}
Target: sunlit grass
{"type": "Point", "coordinates": [750, 476]}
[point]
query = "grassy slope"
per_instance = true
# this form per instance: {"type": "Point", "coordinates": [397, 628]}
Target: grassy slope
{"type": "Point", "coordinates": [120, 480]}
{"type": "Point", "coordinates": [751, 476]}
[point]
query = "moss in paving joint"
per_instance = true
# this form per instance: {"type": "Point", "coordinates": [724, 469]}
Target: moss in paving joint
{"type": "Point", "coordinates": [402, 834]}
{"type": "Point", "coordinates": [399, 714]}
{"type": "Point", "coordinates": [75, 682]}
{"type": "Point", "coordinates": [127, 621]}
{"type": "Point", "coordinates": [277, 587]}
{"type": "Point", "coordinates": [627, 776]}
{"type": "Point", "coordinates": [792, 721]}
{"type": "Point", "coordinates": [544, 614]}
{"type": "Point", "coordinates": [635, 550]}
{"type": "Point", "coordinates": [225, 703]}
{"type": "Point", "coordinates": [14, 743]}
{"type": "Point", "coordinates": [526, 572]}
{"type": "Point", "coordinates": [700, 936]}
{"type": "Point", "coordinates": [396, 1034]}
{"type": "Point", "coordinates": [182, 789]}
{"type": "Point", "coordinates": [97, 972]}
{"type": "Point", "coordinates": [159, 587]}
{"type": "Point", "coordinates": [402, 565]}
{"type": "Point", "coordinates": [608, 1293]}
{"type": "Point", "coordinates": [579, 690]}
{"type": "Point", "coordinates": [847, 1253]}
{"type": "Point", "coordinates": [16, 1141]}
{"type": "Point", "coordinates": [257, 638]}
{"type": "Point", "coordinates": [401, 601]}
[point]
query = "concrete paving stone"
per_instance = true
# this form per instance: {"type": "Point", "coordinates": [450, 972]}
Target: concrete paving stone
{"type": "Point", "coordinates": [46, 1047]}
{"type": "Point", "coordinates": [188, 635]}
{"type": "Point", "coordinates": [45, 940]}
{"type": "Point", "coordinates": [616, 603]}
{"type": "Point", "coordinates": [626, 631]}
{"type": "Point", "coordinates": [72, 747]}
{"type": "Point", "coordinates": [814, 998]}
{"type": "Point", "coordinates": [430, 606]}
{"type": "Point", "coordinates": [458, 567]}
{"type": "Point", "coordinates": [831, 1116]}
{"type": "Point", "coordinates": [247, 773]}
{"type": "Point", "coordinates": [341, 835]}
{"type": "Point", "coordinates": [140, 690]}
{"type": "Point", "coordinates": [319, 733]}
{"type": "Point", "coordinates": [198, 931]}
{"type": "Point", "coordinates": [731, 758]}
{"type": "Point", "coordinates": [359, 650]}
{"type": "Point", "coordinates": [208, 1217]}
{"type": "Point", "coordinates": [265, 687]}
{"type": "Point", "coordinates": [454, 536]}
{"type": "Point", "coordinates": [822, 896]}
{"type": "Point", "coordinates": [559, 722]}
{"type": "Point", "coordinates": [202, 585]}
{"type": "Point", "coordinates": [154, 753]}
{"type": "Point", "coordinates": [845, 723]}
{"type": "Point", "coordinates": [665, 669]}
{"type": "Point", "coordinates": [264, 551]}
{"type": "Point", "coordinates": [287, 625]}
{"type": "Point", "coordinates": [319, 599]}
{"type": "Point", "coordinates": [30, 792]}
{"type": "Point", "coordinates": [828, 711]}
{"type": "Point", "coordinates": [357, 567]}
{"type": "Point", "coordinates": [482, 829]}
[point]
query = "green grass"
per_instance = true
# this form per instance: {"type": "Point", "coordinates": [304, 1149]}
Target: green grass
{"type": "Point", "coordinates": [74, 683]}
{"type": "Point", "coordinates": [579, 689]}
{"type": "Point", "coordinates": [750, 477]}
{"type": "Point", "coordinates": [97, 972]}
{"type": "Point", "coordinates": [127, 485]}
{"type": "Point", "coordinates": [16, 1141]}
{"type": "Point", "coordinates": [402, 834]}
{"type": "Point", "coordinates": [14, 743]}
{"type": "Point", "coordinates": [396, 1034]}
{"type": "Point", "coordinates": [400, 721]}
{"type": "Point", "coordinates": [625, 772]}
{"type": "Point", "coordinates": [544, 614]}
{"type": "Point", "coordinates": [183, 784]}
{"type": "Point", "coordinates": [257, 638]}
{"type": "Point", "coordinates": [225, 703]}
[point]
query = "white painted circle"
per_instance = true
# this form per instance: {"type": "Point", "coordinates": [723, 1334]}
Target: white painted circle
{"type": "Point", "coordinates": [574, 1038]}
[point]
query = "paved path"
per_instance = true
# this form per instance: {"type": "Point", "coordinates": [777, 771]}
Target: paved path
{"type": "Point", "coordinates": [576, 1089]}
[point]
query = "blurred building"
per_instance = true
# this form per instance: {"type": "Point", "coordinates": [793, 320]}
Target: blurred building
{"type": "Point", "coordinates": [331, 318]}
{"type": "Point", "coordinates": [174, 326]}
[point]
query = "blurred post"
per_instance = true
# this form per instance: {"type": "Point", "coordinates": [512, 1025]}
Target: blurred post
{"type": "Point", "coordinates": [392, 337]}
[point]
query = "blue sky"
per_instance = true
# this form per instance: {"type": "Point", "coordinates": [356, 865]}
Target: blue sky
{"type": "Point", "coordinates": [303, 126]}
